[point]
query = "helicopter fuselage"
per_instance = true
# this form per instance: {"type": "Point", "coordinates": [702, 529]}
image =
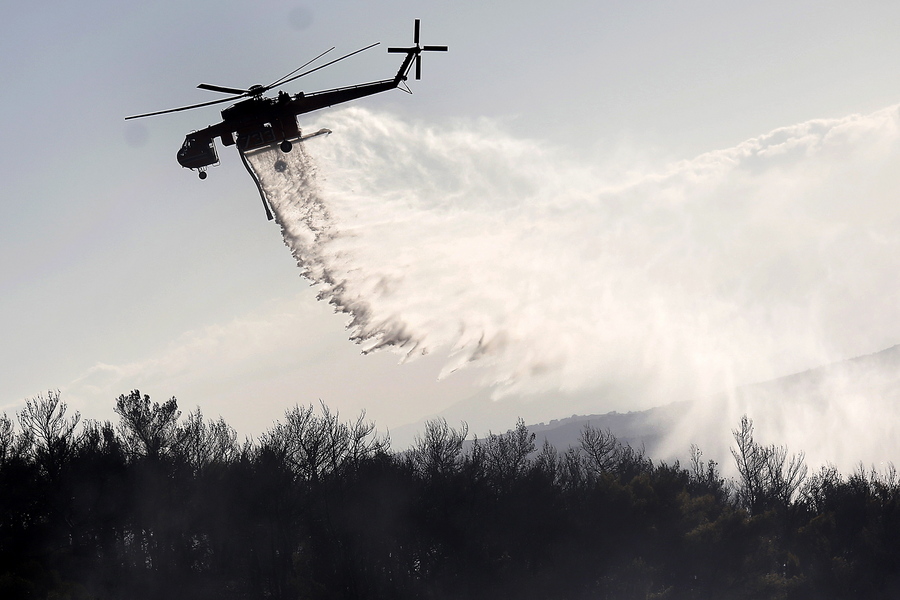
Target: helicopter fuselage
{"type": "Point", "coordinates": [260, 121]}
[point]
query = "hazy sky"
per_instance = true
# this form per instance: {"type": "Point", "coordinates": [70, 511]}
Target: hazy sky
{"type": "Point", "coordinates": [121, 270]}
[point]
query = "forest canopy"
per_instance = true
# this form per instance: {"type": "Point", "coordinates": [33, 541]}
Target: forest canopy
{"type": "Point", "coordinates": [165, 505]}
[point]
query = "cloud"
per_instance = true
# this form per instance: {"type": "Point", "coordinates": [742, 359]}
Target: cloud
{"type": "Point", "coordinates": [254, 366]}
{"type": "Point", "coordinates": [220, 365]}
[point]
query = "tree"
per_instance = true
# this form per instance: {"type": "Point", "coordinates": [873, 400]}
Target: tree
{"type": "Point", "coordinates": [785, 475]}
{"type": "Point", "coordinates": [149, 430]}
{"type": "Point", "coordinates": [437, 452]}
{"type": "Point", "coordinates": [768, 477]}
{"type": "Point", "coordinates": [313, 446]}
{"type": "Point", "coordinates": [601, 448]}
{"type": "Point", "coordinates": [506, 456]}
{"type": "Point", "coordinates": [547, 462]}
{"type": "Point", "coordinates": [704, 476]}
{"type": "Point", "coordinates": [7, 438]}
{"type": "Point", "coordinates": [300, 441]}
{"type": "Point", "coordinates": [51, 433]}
{"type": "Point", "coordinates": [750, 460]}
{"type": "Point", "coordinates": [202, 443]}
{"type": "Point", "coordinates": [363, 443]}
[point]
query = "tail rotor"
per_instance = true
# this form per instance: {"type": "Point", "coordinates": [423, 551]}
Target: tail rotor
{"type": "Point", "coordinates": [417, 50]}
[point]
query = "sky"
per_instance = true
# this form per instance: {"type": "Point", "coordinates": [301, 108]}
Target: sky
{"type": "Point", "coordinates": [718, 138]}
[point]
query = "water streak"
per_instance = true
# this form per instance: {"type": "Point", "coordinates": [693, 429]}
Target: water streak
{"type": "Point", "coordinates": [552, 274]}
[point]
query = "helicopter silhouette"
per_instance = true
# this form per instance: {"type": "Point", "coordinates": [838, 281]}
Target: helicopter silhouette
{"type": "Point", "coordinates": [261, 121]}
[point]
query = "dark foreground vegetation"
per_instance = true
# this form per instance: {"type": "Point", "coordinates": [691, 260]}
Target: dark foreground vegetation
{"type": "Point", "coordinates": [164, 507]}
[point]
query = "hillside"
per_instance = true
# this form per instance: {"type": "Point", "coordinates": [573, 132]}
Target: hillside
{"type": "Point", "coordinates": [841, 413]}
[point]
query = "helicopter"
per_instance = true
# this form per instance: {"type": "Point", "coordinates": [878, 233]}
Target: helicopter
{"type": "Point", "coordinates": [261, 121]}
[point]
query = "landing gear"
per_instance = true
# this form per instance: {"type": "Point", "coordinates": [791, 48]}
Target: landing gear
{"type": "Point", "coordinates": [286, 146]}
{"type": "Point", "coordinates": [202, 174]}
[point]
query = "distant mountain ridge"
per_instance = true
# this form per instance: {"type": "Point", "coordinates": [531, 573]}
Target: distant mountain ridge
{"type": "Point", "coordinates": [842, 413]}
{"type": "Point", "coordinates": [645, 429]}
{"type": "Point", "coordinates": [866, 389]}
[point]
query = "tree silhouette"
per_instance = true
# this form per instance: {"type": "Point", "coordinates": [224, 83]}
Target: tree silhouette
{"type": "Point", "coordinates": [155, 507]}
{"type": "Point", "coordinates": [768, 478]}
{"type": "Point", "coordinates": [203, 443]}
{"type": "Point", "coordinates": [51, 434]}
{"type": "Point", "coordinates": [149, 430]}
{"type": "Point", "coordinates": [438, 451]}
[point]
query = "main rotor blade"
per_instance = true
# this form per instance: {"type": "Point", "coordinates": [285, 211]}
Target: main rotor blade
{"type": "Point", "coordinates": [219, 88]}
{"type": "Point", "coordinates": [416, 33]}
{"type": "Point", "coordinates": [418, 66]}
{"type": "Point", "coordinates": [437, 48]}
{"type": "Point", "coordinates": [328, 63]}
{"type": "Point", "coordinates": [171, 110]}
{"type": "Point", "coordinates": [303, 66]}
